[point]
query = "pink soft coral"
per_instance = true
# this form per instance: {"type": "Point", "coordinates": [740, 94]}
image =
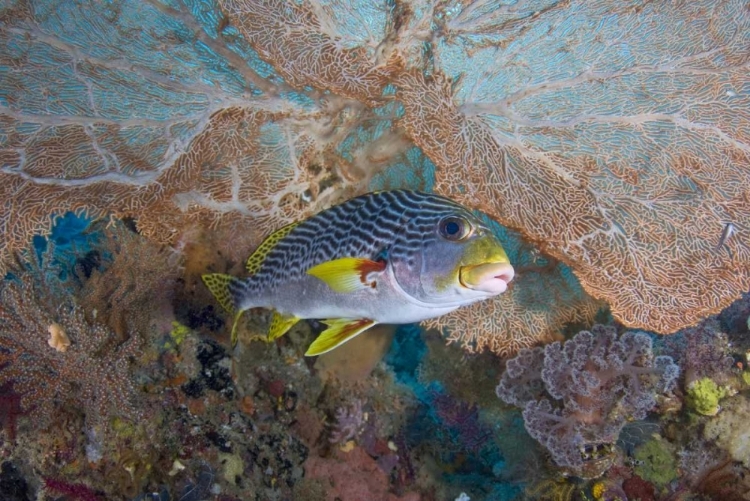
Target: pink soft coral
{"type": "Point", "coordinates": [577, 396]}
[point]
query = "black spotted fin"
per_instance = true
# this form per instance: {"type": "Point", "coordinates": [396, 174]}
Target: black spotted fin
{"type": "Point", "coordinates": [347, 274]}
{"type": "Point", "coordinates": [280, 325]}
{"type": "Point", "coordinates": [339, 331]}
{"type": "Point", "coordinates": [228, 291]}
{"type": "Point", "coordinates": [256, 259]}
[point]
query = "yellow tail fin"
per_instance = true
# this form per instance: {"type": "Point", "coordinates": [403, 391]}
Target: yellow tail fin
{"type": "Point", "coordinates": [220, 286]}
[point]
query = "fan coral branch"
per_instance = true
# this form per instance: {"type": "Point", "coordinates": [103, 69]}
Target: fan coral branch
{"type": "Point", "coordinates": [294, 39]}
{"type": "Point", "coordinates": [611, 232]}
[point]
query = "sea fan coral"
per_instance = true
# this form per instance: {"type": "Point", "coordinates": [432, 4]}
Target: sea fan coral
{"type": "Point", "coordinates": [611, 134]}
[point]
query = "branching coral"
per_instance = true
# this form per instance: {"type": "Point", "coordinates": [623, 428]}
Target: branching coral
{"type": "Point", "coordinates": [93, 372]}
{"type": "Point", "coordinates": [134, 280]}
{"type": "Point", "coordinates": [577, 396]}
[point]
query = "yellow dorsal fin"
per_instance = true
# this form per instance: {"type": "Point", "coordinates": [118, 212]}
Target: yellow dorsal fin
{"type": "Point", "coordinates": [339, 331]}
{"type": "Point", "coordinates": [280, 324]}
{"type": "Point", "coordinates": [256, 259]}
{"type": "Point", "coordinates": [347, 274]}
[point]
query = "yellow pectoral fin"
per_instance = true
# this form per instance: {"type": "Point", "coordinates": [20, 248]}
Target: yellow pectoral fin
{"type": "Point", "coordinates": [339, 331]}
{"type": "Point", "coordinates": [280, 324]}
{"type": "Point", "coordinates": [347, 274]}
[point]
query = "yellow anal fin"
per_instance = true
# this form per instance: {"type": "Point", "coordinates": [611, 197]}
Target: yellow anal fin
{"type": "Point", "coordinates": [256, 259]}
{"type": "Point", "coordinates": [339, 331]}
{"type": "Point", "coordinates": [347, 274]}
{"type": "Point", "coordinates": [280, 324]}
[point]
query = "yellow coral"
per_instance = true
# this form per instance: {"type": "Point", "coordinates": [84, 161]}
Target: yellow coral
{"type": "Point", "coordinates": [598, 490]}
{"type": "Point", "coordinates": [552, 490]}
{"type": "Point", "coordinates": [58, 339]}
{"type": "Point", "coordinates": [179, 333]}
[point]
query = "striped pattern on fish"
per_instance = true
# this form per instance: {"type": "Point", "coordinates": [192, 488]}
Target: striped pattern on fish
{"type": "Point", "coordinates": [392, 256]}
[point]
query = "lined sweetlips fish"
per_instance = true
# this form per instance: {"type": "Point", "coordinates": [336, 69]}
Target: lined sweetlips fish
{"type": "Point", "coordinates": [390, 257]}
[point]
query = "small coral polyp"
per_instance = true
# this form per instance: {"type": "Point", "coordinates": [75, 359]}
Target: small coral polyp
{"type": "Point", "coordinates": [58, 339]}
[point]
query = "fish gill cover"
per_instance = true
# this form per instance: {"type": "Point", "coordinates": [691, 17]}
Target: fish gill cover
{"type": "Point", "coordinates": [612, 135]}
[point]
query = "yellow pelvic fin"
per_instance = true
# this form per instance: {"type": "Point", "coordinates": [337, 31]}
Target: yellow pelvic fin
{"type": "Point", "coordinates": [235, 323]}
{"type": "Point", "coordinates": [218, 284]}
{"type": "Point", "coordinates": [339, 331]}
{"type": "Point", "coordinates": [256, 259]}
{"type": "Point", "coordinates": [280, 324]}
{"type": "Point", "coordinates": [347, 274]}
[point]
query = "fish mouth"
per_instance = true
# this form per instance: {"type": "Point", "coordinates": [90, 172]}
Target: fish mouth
{"type": "Point", "coordinates": [489, 277]}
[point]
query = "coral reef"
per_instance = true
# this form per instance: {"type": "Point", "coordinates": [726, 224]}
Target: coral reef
{"type": "Point", "coordinates": [702, 351]}
{"type": "Point", "coordinates": [577, 396]}
{"type": "Point", "coordinates": [143, 144]}
{"type": "Point", "coordinates": [463, 420]}
{"type": "Point", "coordinates": [10, 410]}
{"type": "Point", "coordinates": [350, 423]}
{"type": "Point", "coordinates": [704, 395]}
{"type": "Point", "coordinates": [79, 492]}
{"type": "Point", "coordinates": [132, 278]}
{"type": "Point", "coordinates": [264, 422]}
{"type": "Point", "coordinates": [354, 475]}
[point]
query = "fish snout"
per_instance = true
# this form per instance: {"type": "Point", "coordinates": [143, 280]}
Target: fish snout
{"type": "Point", "coordinates": [488, 277]}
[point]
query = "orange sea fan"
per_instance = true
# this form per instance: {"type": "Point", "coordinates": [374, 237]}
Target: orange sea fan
{"type": "Point", "coordinates": [613, 135]}
{"type": "Point", "coordinates": [649, 249]}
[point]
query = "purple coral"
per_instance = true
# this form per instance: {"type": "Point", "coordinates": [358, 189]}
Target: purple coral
{"type": "Point", "coordinates": [350, 423]}
{"type": "Point", "coordinates": [463, 418]}
{"type": "Point", "coordinates": [703, 351]}
{"type": "Point", "coordinates": [577, 396]}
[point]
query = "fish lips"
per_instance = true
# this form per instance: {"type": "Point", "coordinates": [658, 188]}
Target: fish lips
{"type": "Point", "coordinates": [488, 277]}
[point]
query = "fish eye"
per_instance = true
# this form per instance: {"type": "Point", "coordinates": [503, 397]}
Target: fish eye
{"type": "Point", "coordinates": [454, 228]}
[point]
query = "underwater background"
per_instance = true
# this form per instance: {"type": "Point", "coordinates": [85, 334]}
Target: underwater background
{"type": "Point", "coordinates": [145, 143]}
